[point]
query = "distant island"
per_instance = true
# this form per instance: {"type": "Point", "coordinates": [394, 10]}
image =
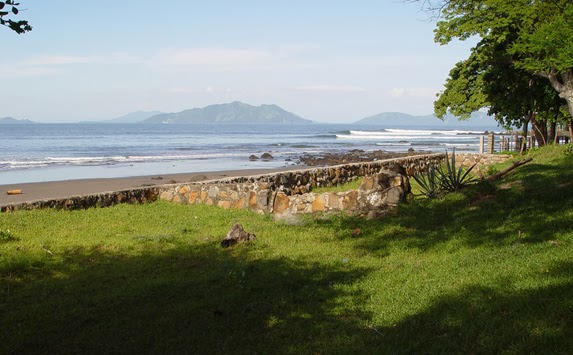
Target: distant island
{"type": "Point", "coordinates": [234, 112]}
{"type": "Point", "coordinates": [12, 120]}
{"type": "Point", "coordinates": [477, 119]}
{"type": "Point", "coordinates": [133, 117]}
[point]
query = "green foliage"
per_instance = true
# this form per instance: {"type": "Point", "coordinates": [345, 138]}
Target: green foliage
{"type": "Point", "coordinates": [520, 44]}
{"type": "Point", "coordinates": [10, 8]}
{"type": "Point", "coordinates": [445, 178]}
{"type": "Point", "coordinates": [453, 178]}
{"type": "Point", "coordinates": [429, 183]}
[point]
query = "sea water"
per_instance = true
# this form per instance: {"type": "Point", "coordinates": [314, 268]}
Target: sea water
{"type": "Point", "coordinates": [53, 152]}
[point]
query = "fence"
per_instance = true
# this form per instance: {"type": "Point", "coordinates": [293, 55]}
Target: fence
{"type": "Point", "coordinates": [512, 141]}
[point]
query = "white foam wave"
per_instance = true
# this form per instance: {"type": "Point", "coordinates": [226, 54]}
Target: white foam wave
{"type": "Point", "coordinates": [106, 160]}
{"type": "Point", "coordinates": [391, 137]}
{"type": "Point", "coordinates": [429, 132]}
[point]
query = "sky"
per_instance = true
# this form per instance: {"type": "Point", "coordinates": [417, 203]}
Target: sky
{"type": "Point", "coordinates": [334, 61]}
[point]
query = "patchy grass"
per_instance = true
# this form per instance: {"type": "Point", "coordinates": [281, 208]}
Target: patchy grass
{"type": "Point", "coordinates": [485, 270]}
{"type": "Point", "coordinates": [352, 185]}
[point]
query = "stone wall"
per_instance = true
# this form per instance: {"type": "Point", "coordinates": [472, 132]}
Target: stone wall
{"type": "Point", "coordinates": [291, 192]}
{"type": "Point", "coordinates": [142, 195]}
{"type": "Point", "coordinates": [282, 192]}
{"type": "Point", "coordinates": [377, 192]}
{"type": "Point", "coordinates": [480, 160]}
{"type": "Point", "coordinates": [302, 181]}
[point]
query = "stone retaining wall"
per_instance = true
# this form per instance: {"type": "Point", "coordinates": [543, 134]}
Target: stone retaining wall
{"type": "Point", "coordinates": [302, 181]}
{"type": "Point", "coordinates": [265, 193]}
{"type": "Point", "coordinates": [480, 160]}
{"type": "Point", "coordinates": [290, 192]}
{"type": "Point", "coordinates": [107, 199]}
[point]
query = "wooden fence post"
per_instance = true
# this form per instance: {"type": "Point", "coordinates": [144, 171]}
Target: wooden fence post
{"type": "Point", "coordinates": [490, 143]}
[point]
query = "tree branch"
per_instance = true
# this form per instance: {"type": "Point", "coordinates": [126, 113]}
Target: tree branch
{"type": "Point", "coordinates": [516, 164]}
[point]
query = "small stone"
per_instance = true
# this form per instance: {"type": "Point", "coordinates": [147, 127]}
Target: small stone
{"type": "Point", "coordinates": [237, 234]}
{"type": "Point", "coordinates": [253, 157]}
{"type": "Point", "coordinates": [267, 156]}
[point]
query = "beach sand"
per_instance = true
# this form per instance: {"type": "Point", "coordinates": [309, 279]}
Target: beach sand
{"type": "Point", "coordinates": [67, 188]}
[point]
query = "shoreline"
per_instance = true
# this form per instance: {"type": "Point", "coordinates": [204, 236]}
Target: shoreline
{"type": "Point", "coordinates": [33, 191]}
{"type": "Point", "coordinates": [43, 190]}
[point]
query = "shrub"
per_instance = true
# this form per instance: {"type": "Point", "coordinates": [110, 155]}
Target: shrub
{"type": "Point", "coordinates": [453, 179]}
{"type": "Point", "coordinates": [445, 178]}
{"type": "Point", "coordinates": [430, 183]}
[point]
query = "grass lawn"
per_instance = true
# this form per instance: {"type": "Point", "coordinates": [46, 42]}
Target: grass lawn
{"type": "Point", "coordinates": [489, 270]}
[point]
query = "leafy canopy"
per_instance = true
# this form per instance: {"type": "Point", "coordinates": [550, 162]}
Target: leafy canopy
{"type": "Point", "coordinates": [10, 8]}
{"type": "Point", "coordinates": [520, 41]}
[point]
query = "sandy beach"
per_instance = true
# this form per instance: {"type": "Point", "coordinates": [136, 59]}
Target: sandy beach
{"type": "Point", "coordinates": [66, 188]}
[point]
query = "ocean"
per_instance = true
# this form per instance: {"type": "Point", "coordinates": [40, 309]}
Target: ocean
{"type": "Point", "coordinates": [54, 152]}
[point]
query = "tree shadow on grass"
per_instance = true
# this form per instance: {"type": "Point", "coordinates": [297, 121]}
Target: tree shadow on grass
{"type": "Point", "coordinates": [480, 319]}
{"type": "Point", "coordinates": [531, 211]}
{"type": "Point", "coordinates": [191, 299]}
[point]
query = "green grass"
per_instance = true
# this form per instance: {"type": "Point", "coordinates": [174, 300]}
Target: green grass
{"type": "Point", "coordinates": [352, 185]}
{"type": "Point", "coordinates": [486, 270]}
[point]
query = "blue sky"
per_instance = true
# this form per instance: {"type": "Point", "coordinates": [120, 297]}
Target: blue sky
{"type": "Point", "coordinates": [330, 61]}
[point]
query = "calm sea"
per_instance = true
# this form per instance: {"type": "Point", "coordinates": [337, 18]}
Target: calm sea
{"type": "Point", "coordinates": [51, 152]}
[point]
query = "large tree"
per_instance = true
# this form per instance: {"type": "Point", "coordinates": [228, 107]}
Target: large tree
{"type": "Point", "coordinates": [488, 79]}
{"type": "Point", "coordinates": [533, 38]}
{"type": "Point", "coordinates": [8, 9]}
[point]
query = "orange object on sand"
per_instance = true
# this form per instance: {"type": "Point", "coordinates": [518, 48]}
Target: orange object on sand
{"type": "Point", "coordinates": [14, 192]}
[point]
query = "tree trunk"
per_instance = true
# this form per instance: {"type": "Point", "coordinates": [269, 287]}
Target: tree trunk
{"type": "Point", "coordinates": [563, 84]}
{"type": "Point", "coordinates": [524, 134]}
{"type": "Point", "coordinates": [571, 129]}
{"type": "Point", "coordinates": [539, 130]}
{"type": "Point", "coordinates": [552, 132]}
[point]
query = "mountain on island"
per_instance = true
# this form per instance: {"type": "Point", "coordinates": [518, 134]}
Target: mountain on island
{"type": "Point", "coordinates": [234, 112]}
{"type": "Point", "coordinates": [477, 119]}
{"type": "Point", "coordinates": [12, 120]}
{"type": "Point", "coordinates": [134, 117]}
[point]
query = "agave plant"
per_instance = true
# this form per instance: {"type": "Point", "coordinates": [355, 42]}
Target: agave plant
{"type": "Point", "coordinates": [453, 179]}
{"type": "Point", "coordinates": [429, 182]}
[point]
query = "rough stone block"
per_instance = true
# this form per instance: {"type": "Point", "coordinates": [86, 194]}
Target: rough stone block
{"type": "Point", "coordinates": [166, 195]}
{"type": "Point", "coordinates": [350, 200]}
{"type": "Point", "coordinates": [224, 204]}
{"type": "Point", "coordinates": [367, 183]}
{"type": "Point", "coordinates": [282, 203]}
{"type": "Point", "coordinates": [213, 191]}
{"type": "Point", "coordinates": [240, 203]}
{"type": "Point", "coordinates": [333, 201]}
{"type": "Point", "coordinates": [318, 204]}
{"type": "Point", "coordinates": [395, 196]}
{"type": "Point", "coordinates": [263, 198]}
{"type": "Point", "coordinates": [253, 200]}
{"type": "Point", "coordinates": [193, 196]}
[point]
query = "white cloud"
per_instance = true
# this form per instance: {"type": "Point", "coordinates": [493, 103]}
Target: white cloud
{"type": "Point", "coordinates": [413, 92]}
{"type": "Point", "coordinates": [330, 88]}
